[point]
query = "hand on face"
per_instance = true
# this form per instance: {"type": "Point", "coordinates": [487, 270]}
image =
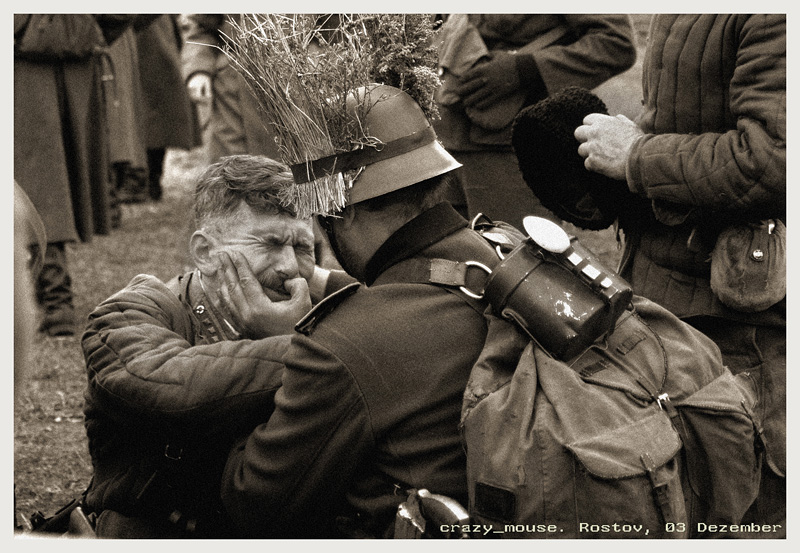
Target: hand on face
{"type": "Point", "coordinates": [606, 143]}
{"type": "Point", "coordinates": [242, 297]}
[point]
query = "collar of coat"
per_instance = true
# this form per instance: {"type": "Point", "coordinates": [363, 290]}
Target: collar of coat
{"type": "Point", "coordinates": [418, 234]}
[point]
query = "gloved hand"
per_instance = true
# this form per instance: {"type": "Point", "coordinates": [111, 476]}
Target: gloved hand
{"type": "Point", "coordinates": [490, 81]}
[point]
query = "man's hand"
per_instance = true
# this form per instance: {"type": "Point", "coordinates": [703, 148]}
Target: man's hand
{"type": "Point", "coordinates": [489, 82]}
{"type": "Point", "coordinates": [606, 143]}
{"type": "Point", "coordinates": [199, 88]}
{"type": "Point", "coordinates": [251, 311]}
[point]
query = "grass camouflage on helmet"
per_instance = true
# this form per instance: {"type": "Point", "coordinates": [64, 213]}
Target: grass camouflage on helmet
{"type": "Point", "coordinates": [324, 95]}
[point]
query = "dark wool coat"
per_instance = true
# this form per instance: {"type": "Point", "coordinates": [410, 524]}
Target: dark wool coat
{"type": "Point", "coordinates": [370, 400]}
{"type": "Point", "coordinates": [714, 153]}
{"type": "Point", "coordinates": [580, 50]}
{"type": "Point", "coordinates": [60, 143]}
{"type": "Point", "coordinates": [125, 103]}
{"type": "Point", "coordinates": [169, 115]}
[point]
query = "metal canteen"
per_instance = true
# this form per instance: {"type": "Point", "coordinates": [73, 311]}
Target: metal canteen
{"type": "Point", "coordinates": [557, 291]}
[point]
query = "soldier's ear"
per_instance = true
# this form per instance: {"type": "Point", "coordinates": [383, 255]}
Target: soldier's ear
{"type": "Point", "coordinates": [201, 248]}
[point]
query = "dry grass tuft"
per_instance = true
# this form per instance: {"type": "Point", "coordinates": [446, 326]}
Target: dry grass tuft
{"type": "Point", "coordinates": [301, 69]}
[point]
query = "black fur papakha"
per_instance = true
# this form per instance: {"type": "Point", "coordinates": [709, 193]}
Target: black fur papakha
{"type": "Point", "coordinates": [547, 153]}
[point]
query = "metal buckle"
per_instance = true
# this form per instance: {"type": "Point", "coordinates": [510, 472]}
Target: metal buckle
{"type": "Point", "coordinates": [469, 292]}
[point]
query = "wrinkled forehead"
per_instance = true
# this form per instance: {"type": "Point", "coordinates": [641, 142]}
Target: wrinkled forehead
{"type": "Point", "coordinates": [248, 221]}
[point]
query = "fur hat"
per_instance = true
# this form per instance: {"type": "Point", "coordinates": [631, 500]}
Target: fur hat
{"type": "Point", "coordinates": [547, 152]}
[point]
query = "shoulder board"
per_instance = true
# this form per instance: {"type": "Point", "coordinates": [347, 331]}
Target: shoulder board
{"type": "Point", "coordinates": [319, 311]}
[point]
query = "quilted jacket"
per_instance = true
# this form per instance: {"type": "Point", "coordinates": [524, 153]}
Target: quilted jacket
{"type": "Point", "coordinates": [714, 153]}
{"type": "Point", "coordinates": [154, 395]}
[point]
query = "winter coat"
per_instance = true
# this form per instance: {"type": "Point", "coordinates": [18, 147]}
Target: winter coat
{"type": "Point", "coordinates": [155, 393]}
{"type": "Point", "coordinates": [568, 50]}
{"type": "Point", "coordinates": [60, 142]}
{"type": "Point", "coordinates": [714, 152]}
{"type": "Point", "coordinates": [125, 103]}
{"type": "Point", "coordinates": [169, 116]}
{"type": "Point", "coordinates": [236, 125]}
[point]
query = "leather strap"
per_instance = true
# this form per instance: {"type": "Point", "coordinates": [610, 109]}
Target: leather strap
{"type": "Point", "coordinates": [453, 276]}
{"type": "Point", "coordinates": [354, 159]}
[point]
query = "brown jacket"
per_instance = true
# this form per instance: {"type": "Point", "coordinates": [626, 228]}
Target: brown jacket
{"type": "Point", "coordinates": [714, 153]}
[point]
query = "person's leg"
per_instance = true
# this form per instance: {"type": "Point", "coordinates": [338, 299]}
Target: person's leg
{"type": "Point", "coordinates": [54, 292]}
{"type": "Point", "coordinates": [155, 168]}
{"type": "Point", "coordinates": [259, 137]}
{"type": "Point", "coordinates": [770, 382]}
{"type": "Point", "coordinates": [226, 135]}
{"type": "Point", "coordinates": [757, 355]}
{"type": "Point", "coordinates": [129, 183]}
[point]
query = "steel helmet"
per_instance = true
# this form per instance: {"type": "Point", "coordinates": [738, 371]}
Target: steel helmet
{"type": "Point", "coordinates": [397, 120]}
{"type": "Point", "coordinates": [407, 150]}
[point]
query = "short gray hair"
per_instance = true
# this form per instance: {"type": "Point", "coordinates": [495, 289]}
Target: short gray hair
{"type": "Point", "coordinates": [256, 180]}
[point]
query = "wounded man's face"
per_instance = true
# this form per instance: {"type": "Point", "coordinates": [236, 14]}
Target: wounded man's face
{"type": "Point", "coordinates": [277, 247]}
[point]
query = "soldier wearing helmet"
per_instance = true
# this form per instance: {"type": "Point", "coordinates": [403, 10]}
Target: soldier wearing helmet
{"type": "Point", "coordinates": [371, 394]}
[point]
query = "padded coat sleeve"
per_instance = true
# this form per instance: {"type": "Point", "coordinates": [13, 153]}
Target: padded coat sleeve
{"type": "Point", "coordinates": [742, 170]}
{"type": "Point", "coordinates": [140, 364]}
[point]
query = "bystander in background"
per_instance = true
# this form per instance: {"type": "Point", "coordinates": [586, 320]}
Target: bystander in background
{"type": "Point", "coordinates": [492, 66]}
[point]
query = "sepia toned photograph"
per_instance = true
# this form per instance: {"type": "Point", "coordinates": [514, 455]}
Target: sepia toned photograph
{"type": "Point", "coordinates": [347, 276]}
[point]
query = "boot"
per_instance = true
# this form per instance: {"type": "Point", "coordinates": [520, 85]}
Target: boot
{"type": "Point", "coordinates": [54, 293]}
{"type": "Point", "coordinates": [155, 165]}
{"type": "Point", "coordinates": [130, 184]}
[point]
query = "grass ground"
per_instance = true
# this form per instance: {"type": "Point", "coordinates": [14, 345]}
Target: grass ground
{"type": "Point", "coordinates": [51, 461]}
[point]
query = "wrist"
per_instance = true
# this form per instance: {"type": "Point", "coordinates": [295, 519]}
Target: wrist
{"type": "Point", "coordinates": [529, 77]}
{"type": "Point", "coordinates": [632, 172]}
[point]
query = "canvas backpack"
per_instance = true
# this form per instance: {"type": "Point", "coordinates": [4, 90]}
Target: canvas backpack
{"type": "Point", "coordinates": [640, 432]}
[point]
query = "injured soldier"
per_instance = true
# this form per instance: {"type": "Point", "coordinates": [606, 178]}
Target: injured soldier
{"type": "Point", "coordinates": [174, 376]}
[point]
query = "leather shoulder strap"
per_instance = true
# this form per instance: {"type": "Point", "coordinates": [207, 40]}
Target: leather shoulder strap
{"type": "Point", "coordinates": [466, 279]}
